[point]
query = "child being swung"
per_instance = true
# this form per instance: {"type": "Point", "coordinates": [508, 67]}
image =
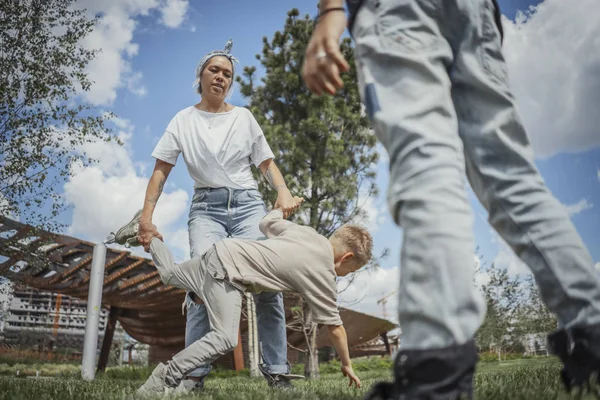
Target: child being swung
{"type": "Point", "coordinates": [292, 258]}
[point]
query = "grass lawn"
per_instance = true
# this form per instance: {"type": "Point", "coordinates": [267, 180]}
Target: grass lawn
{"type": "Point", "coordinates": [516, 379]}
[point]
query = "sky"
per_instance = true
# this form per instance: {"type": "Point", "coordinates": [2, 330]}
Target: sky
{"type": "Point", "coordinates": [145, 72]}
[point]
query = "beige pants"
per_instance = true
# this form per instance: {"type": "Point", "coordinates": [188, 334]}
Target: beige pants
{"type": "Point", "coordinates": [207, 278]}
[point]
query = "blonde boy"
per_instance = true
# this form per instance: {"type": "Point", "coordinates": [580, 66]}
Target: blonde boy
{"type": "Point", "coordinates": [292, 258]}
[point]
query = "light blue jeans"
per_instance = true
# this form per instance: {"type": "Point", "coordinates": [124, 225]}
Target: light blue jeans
{"type": "Point", "coordinates": [435, 85]}
{"type": "Point", "coordinates": [214, 215]}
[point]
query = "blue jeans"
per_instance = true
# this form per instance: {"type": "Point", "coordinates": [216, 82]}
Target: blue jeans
{"type": "Point", "coordinates": [214, 215]}
{"type": "Point", "coordinates": [435, 85]}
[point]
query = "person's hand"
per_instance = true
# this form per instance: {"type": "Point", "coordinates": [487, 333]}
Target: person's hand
{"type": "Point", "coordinates": [286, 203]}
{"type": "Point", "coordinates": [323, 60]}
{"type": "Point", "coordinates": [349, 372]}
{"type": "Point", "coordinates": [146, 231]}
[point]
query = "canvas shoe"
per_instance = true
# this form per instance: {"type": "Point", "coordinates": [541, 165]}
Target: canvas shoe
{"type": "Point", "coordinates": [127, 234]}
{"type": "Point", "coordinates": [156, 385]}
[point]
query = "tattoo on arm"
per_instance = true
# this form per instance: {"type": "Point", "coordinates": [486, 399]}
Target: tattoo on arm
{"type": "Point", "coordinates": [269, 176]}
{"type": "Point", "coordinates": [153, 198]}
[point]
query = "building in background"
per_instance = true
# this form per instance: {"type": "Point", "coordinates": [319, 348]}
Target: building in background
{"type": "Point", "coordinates": [46, 320]}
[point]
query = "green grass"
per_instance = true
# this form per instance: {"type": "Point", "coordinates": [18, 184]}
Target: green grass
{"type": "Point", "coordinates": [511, 380]}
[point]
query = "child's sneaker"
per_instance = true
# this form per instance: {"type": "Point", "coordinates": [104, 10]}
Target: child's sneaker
{"type": "Point", "coordinates": [156, 384]}
{"type": "Point", "coordinates": [127, 234]}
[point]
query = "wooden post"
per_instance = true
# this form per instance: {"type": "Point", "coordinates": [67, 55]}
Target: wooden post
{"type": "Point", "coordinates": [238, 353]}
{"type": "Point", "coordinates": [386, 342]}
{"type": "Point", "coordinates": [108, 338]}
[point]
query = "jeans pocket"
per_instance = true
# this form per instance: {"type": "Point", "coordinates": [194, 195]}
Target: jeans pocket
{"type": "Point", "coordinates": [249, 196]}
{"type": "Point", "coordinates": [490, 51]}
{"type": "Point", "coordinates": [198, 196]}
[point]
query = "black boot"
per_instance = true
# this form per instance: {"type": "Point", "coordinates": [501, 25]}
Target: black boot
{"type": "Point", "coordinates": [436, 374]}
{"type": "Point", "coordinates": [579, 350]}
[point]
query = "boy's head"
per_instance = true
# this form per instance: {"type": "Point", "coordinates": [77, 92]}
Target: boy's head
{"type": "Point", "coordinates": [352, 248]}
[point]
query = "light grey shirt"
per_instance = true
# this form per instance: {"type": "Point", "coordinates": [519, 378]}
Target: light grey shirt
{"type": "Point", "coordinates": [293, 258]}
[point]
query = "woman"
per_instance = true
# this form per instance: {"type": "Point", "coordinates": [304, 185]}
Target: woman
{"type": "Point", "coordinates": [219, 142]}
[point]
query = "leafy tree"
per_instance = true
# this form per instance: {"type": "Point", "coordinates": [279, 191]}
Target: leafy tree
{"type": "Point", "coordinates": [43, 123]}
{"type": "Point", "coordinates": [322, 145]}
{"type": "Point", "coordinates": [537, 319]}
{"type": "Point", "coordinates": [514, 311]}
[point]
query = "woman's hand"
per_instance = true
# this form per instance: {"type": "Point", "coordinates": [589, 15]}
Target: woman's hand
{"type": "Point", "coordinates": [146, 231]}
{"type": "Point", "coordinates": [286, 203]}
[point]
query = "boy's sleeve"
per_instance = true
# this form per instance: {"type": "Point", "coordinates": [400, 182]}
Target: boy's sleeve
{"type": "Point", "coordinates": [273, 224]}
{"type": "Point", "coordinates": [324, 306]}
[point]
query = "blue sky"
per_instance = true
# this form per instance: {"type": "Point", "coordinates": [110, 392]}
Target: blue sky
{"type": "Point", "coordinates": [145, 75]}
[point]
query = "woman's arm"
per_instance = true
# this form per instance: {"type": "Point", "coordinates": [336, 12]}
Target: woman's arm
{"type": "Point", "coordinates": [285, 201]}
{"type": "Point", "coordinates": [147, 230]}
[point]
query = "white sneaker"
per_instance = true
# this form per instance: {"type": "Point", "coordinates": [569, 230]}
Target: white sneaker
{"type": "Point", "coordinates": [127, 234]}
{"type": "Point", "coordinates": [155, 385]}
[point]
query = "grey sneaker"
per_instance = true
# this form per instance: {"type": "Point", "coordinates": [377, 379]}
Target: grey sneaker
{"type": "Point", "coordinates": [156, 385]}
{"type": "Point", "coordinates": [127, 234]}
{"type": "Point", "coordinates": [279, 381]}
{"type": "Point", "coordinates": [190, 386]}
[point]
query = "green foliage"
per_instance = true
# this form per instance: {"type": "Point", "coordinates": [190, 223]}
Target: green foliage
{"type": "Point", "coordinates": [43, 123]}
{"type": "Point", "coordinates": [514, 310]}
{"type": "Point", "coordinates": [322, 145]}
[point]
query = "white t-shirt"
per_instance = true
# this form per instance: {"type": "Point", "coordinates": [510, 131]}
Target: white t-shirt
{"type": "Point", "coordinates": [218, 148]}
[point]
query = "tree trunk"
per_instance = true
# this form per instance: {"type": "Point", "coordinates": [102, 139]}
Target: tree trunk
{"type": "Point", "coordinates": [311, 365]}
{"type": "Point", "coordinates": [253, 353]}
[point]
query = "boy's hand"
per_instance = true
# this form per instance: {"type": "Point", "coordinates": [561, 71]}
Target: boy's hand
{"type": "Point", "coordinates": [349, 372]}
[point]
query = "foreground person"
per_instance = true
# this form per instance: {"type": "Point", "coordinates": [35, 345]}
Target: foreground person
{"type": "Point", "coordinates": [293, 258]}
{"type": "Point", "coordinates": [434, 83]}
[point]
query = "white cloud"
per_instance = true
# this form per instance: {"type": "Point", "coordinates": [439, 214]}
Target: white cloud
{"type": "Point", "coordinates": [374, 212]}
{"type": "Point", "coordinates": [553, 58]}
{"type": "Point", "coordinates": [104, 196]}
{"type": "Point", "coordinates": [597, 266]}
{"type": "Point", "coordinates": [114, 36]}
{"type": "Point", "coordinates": [173, 12]}
{"type": "Point", "coordinates": [581, 205]}
{"type": "Point", "coordinates": [368, 288]}
{"type": "Point", "coordinates": [506, 259]}
{"type": "Point", "coordinates": [598, 174]}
